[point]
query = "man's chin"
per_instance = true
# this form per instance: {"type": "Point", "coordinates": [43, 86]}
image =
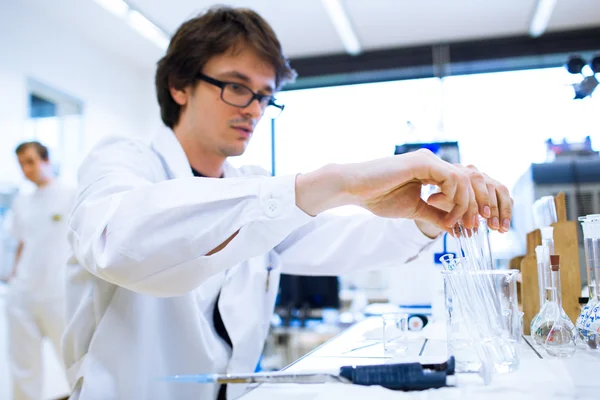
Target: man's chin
{"type": "Point", "coordinates": [235, 152]}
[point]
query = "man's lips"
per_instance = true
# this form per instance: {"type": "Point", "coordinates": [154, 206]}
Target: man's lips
{"type": "Point", "coordinates": [245, 131]}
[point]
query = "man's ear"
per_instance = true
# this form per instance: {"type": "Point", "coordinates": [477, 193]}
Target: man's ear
{"type": "Point", "coordinates": [179, 96]}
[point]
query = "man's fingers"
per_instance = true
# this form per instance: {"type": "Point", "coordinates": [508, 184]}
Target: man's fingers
{"type": "Point", "coordinates": [470, 217]}
{"type": "Point", "coordinates": [481, 191]}
{"type": "Point", "coordinates": [505, 203]}
{"type": "Point", "coordinates": [462, 200]}
{"type": "Point", "coordinates": [494, 220]}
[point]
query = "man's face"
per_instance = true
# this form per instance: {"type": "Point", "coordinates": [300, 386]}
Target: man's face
{"type": "Point", "coordinates": [220, 128]}
{"type": "Point", "coordinates": [33, 166]}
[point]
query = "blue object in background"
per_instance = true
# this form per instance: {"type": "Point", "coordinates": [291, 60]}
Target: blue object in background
{"type": "Point", "coordinates": [437, 256]}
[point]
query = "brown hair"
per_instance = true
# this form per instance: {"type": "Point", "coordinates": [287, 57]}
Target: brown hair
{"type": "Point", "coordinates": [39, 148]}
{"type": "Point", "coordinates": [212, 33]}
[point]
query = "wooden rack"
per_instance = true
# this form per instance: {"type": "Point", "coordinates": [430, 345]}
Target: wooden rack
{"type": "Point", "coordinates": [565, 245]}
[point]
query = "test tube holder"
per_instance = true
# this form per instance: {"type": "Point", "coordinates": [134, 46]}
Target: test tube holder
{"type": "Point", "coordinates": [565, 245]}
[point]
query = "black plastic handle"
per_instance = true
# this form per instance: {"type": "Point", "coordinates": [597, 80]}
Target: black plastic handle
{"type": "Point", "coordinates": [409, 376]}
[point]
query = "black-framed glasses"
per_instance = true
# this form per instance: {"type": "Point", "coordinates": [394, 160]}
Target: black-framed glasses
{"type": "Point", "coordinates": [238, 95]}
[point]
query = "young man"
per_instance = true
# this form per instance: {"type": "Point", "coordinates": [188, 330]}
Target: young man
{"type": "Point", "coordinates": [178, 269]}
{"type": "Point", "coordinates": [36, 301]}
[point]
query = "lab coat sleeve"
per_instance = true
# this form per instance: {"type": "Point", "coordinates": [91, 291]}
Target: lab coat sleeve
{"type": "Point", "coordinates": [334, 245]}
{"type": "Point", "coordinates": [153, 238]}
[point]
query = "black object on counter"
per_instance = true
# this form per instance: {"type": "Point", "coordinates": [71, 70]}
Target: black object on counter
{"type": "Point", "coordinates": [406, 376]}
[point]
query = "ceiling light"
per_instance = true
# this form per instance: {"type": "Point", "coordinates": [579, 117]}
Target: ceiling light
{"type": "Point", "coordinates": [147, 29]}
{"type": "Point", "coordinates": [342, 25]}
{"type": "Point", "coordinates": [137, 21]}
{"type": "Point", "coordinates": [541, 16]}
{"type": "Point", "coordinates": [117, 7]}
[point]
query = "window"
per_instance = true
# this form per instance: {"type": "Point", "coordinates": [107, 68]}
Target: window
{"type": "Point", "coordinates": [55, 120]}
{"type": "Point", "coordinates": [501, 120]}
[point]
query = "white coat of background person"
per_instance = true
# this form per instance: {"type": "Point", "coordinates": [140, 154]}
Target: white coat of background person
{"type": "Point", "coordinates": [35, 303]}
{"type": "Point", "coordinates": [168, 259]}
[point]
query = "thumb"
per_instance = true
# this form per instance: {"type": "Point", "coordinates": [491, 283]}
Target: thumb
{"type": "Point", "coordinates": [430, 214]}
{"type": "Point", "coordinates": [440, 201]}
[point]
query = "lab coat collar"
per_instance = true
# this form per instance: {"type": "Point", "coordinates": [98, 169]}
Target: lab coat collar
{"type": "Point", "coordinates": [169, 149]}
{"type": "Point", "coordinates": [175, 161]}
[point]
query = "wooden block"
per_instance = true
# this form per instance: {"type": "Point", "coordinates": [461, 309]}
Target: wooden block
{"type": "Point", "coordinates": [534, 239]}
{"type": "Point", "coordinates": [530, 292]}
{"type": "Point", "coordinates": [560, 202]}
{"type": "Point", "coordinates": [515, 263]}
{"type": "Point", "coordinates": [565, 245]}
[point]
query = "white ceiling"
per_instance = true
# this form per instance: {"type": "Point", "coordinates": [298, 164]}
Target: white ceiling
{"type": "Point", "coordinates": [305, 29]}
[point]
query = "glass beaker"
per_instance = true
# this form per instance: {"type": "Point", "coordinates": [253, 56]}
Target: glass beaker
{"type": "Point", "coordinates": [395, 328]}
{"type": "Point", "coordinates": [482, 311]}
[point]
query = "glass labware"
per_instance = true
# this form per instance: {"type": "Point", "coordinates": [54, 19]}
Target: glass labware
{"type": "Point", "coordinates": [588, 322]}
{"type": "Point", "coordinates": [482, 321]}
{"type": "Point", "coordinates": [555, 331]}
{"type": "Point", "coordinates": [541, 270]}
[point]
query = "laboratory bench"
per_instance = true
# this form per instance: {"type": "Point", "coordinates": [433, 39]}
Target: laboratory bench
{"type": "Point", "coordinates": [539, 376]}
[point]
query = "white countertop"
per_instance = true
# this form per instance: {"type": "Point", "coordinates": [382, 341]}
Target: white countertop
{"type": "Point", "coordinates": [537, 378]}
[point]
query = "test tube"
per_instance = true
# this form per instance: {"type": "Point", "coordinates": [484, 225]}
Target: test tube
{"type": "Point", "coordinates": [588, 225]}
{"type": "Point", "coordinates": [595, 233]}
{"type": "Point", "coordinates": [475, 244]}
{"type": "Point", "coordinates": [539, 254]}
{"type": "Point", "coordinates": [548, 249]}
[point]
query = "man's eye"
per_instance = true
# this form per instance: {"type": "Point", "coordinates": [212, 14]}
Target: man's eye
{"type": "Point", "coordinates": [240, 89]}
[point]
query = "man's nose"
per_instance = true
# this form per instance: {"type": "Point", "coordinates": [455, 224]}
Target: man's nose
{"type": "Point", "coordinates": [254, 109]}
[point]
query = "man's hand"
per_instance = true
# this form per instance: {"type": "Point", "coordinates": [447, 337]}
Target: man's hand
{"type": "Point", "coordinates": [498, 210]}
{"type": "Point", "coordinates": [391, 187]}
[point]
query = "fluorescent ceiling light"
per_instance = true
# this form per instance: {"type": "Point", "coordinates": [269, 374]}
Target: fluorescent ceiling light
{"type": "Point", "coordinates": [137, 21]}
{"type": "Point", "coordinates": [117, 7]}
{"type": "Point", "coordinates": [541, 16]}
{"type": "Point", "coordinates": [342, 25]}
{"type": "Point", "coordinates": [147, 29]}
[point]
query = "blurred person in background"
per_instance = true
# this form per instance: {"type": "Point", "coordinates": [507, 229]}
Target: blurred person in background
{"type": "Point", "coordinates": [36, 299]}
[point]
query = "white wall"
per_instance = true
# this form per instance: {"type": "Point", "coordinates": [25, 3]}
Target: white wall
{"type": "Point", "coordinates": [118, 99]}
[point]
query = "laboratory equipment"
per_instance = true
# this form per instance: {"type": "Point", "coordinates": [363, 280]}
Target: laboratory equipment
{"type": "Point", "coordinates": [302, 298]}
{"type": "Point", "coordinates": [484, 324]}
{"type": "Point", "coordinates": [578, 178]}
{"type": "Point", "coordinates": [541, 272]}
{"type": "Point", "coordinates": [405, 376]}
{"type": "Point", "coordinates": [542, 323]}
{"type": "Point", "coordinates": [555, 328]}
{"type": "Point", "coordinates": [482, 311]}
{"type": "Point", "coordinates": [548, 239]}
{"type": "Point", "coordinates": [543, 253]}
{"type": "Point", "coordinates": [395, 327]}
{"type": "Point", "coordinates": [475, 244]}
{"type": "Point", "coordinates": [543, 262]}
{"type": "Point", "coordinates": [588, 322]}
{"type": "Point", "coordinates": [544, 212]}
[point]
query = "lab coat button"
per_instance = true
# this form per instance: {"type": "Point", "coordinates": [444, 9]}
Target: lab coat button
{"type": "Point", "coordinates": [272, 208]}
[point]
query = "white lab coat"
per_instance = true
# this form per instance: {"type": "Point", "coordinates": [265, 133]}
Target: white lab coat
{"type": "Point", "coordinates": [142, 296]}
{"type": "Point", "coordinates": [35, 303]}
